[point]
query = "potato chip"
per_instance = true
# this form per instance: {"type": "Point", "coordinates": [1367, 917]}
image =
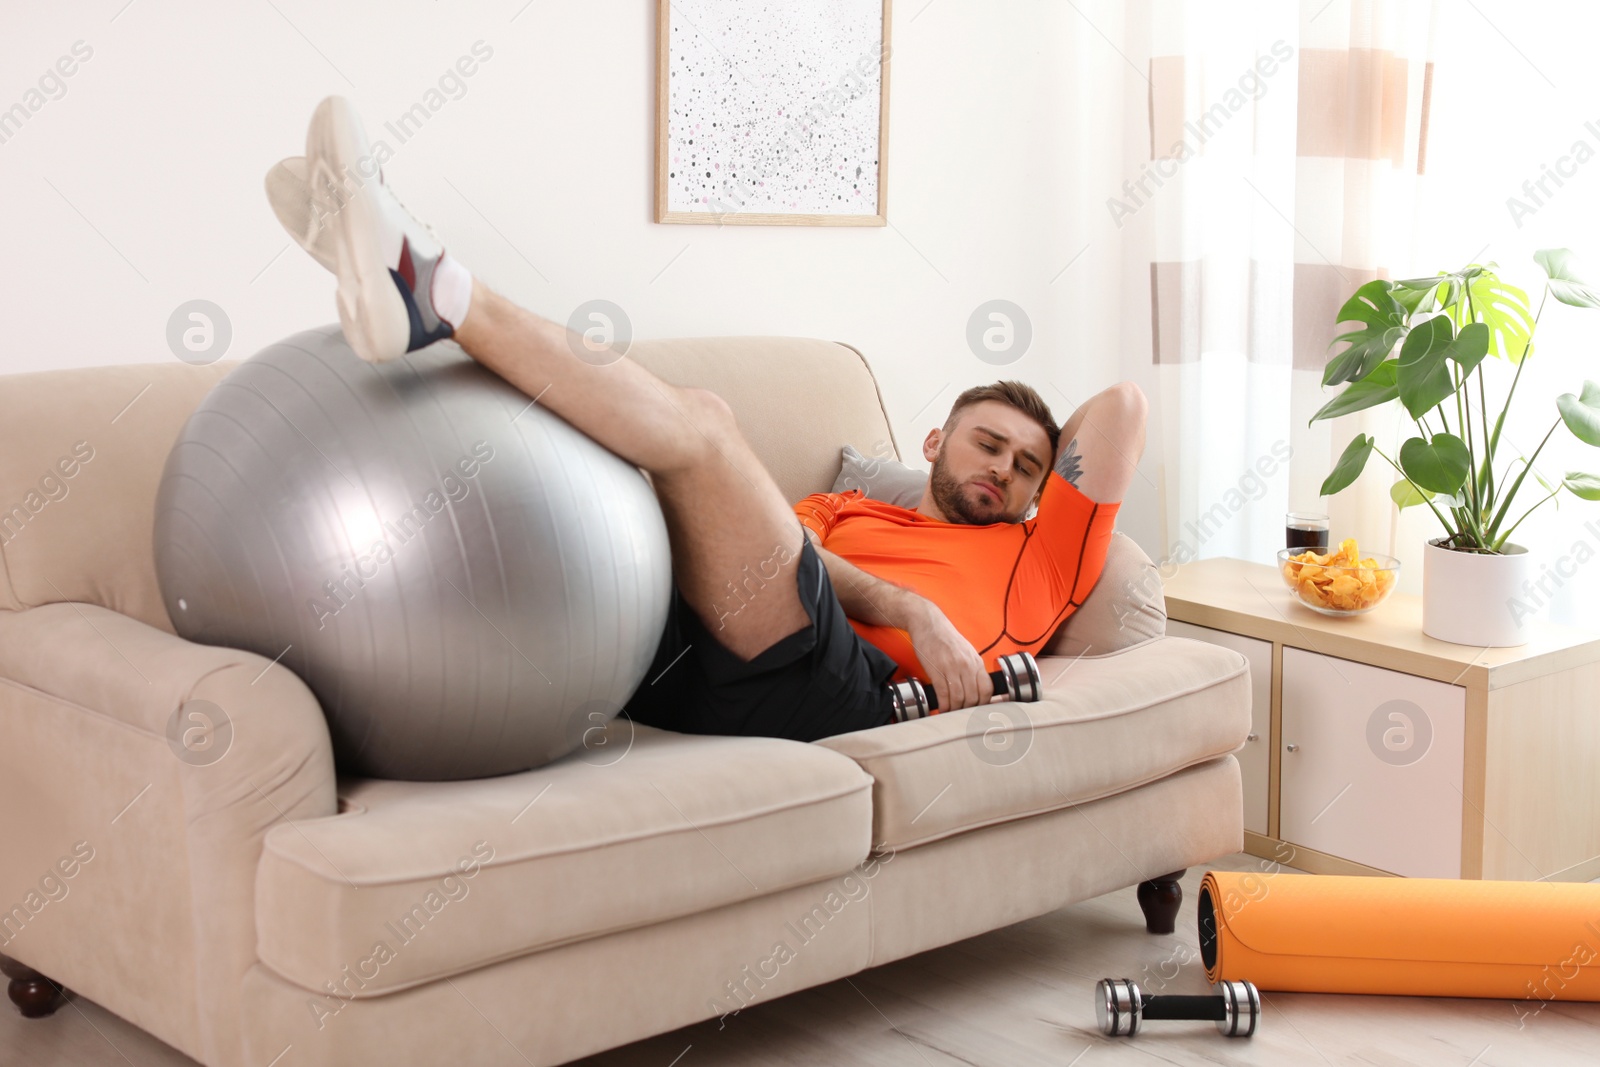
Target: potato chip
{"type": "Point", "coordinates": [1344, 584]}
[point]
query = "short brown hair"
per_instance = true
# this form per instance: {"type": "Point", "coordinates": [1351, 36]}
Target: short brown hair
{"type": "Point", "coordinates": [1025, 398]}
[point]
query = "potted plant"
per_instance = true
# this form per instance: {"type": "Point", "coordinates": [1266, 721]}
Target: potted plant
{"type": "Point", "coordinates": [1423, 342]}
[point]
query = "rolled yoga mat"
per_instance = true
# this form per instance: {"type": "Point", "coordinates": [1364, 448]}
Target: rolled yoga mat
{"type": "Point", "coordinates": [1437, 937]}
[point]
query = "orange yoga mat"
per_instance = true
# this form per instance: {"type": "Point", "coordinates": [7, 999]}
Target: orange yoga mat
{"type": "Point", "coordinates": [1438, 937]}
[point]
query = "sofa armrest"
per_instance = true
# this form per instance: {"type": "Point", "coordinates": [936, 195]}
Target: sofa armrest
{"type": "Point", "coordinates": [1125, 608]}
{"type": "Point", "coordinates": [159, 925]}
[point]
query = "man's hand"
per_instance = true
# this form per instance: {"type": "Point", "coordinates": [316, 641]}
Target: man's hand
{"type": "Point", "coordinates": [954, 667]}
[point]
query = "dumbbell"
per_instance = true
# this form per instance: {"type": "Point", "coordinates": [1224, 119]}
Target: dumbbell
{"type": "Point", "coordinates": [1120, 1006]}
{"type": "Point", "coordinates": [1018, 675]}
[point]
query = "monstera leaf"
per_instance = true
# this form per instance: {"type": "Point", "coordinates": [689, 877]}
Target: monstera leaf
{"type": "Point", "coordinates": [1582, 413]}
{"type": "Point", "coordinates": [1565, 285]}
{"type": "Point", "coordinates": [1583, 485]}
{"type": "Point", "coordinates": [1439, 465]}
{"type": "Point", "coordinates": [1425, 358]}
{"type": "Point", "coordinates": [1418, 294]}
{"type": "Point", "coordinates": [1469, 346]}
{"type": "Point", "coordinates": [1430, 294]}
{"type": "Point", "coordinates": [1383, 318]}
{"type": "Point", "coordinates": [1348, 469]}
{"type": "Point", "coordinates": [1379, 387]}
{"type": "Point", "coordinates": [1424, 371]}
{"type": "Point", "coordinates": [1405, 495]}
{"type": "Point", "coordinates": [1503, 309]}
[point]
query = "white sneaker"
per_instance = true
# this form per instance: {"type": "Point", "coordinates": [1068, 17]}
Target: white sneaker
{"type": "Point", "coordinates": [386, 261]}
{"type": "Point", "coordinates": [290, 198]}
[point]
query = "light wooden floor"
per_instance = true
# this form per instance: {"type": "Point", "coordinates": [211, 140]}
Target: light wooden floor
{"type": "Point", "coordinates": [1016, 997]}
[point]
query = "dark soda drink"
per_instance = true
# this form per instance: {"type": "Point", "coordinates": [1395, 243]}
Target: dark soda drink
{"type": "Point", "coordinates": [1302, 537]}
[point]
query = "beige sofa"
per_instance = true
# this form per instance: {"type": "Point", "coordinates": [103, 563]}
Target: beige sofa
{"type": "Point", "coordinates": [258, 907]}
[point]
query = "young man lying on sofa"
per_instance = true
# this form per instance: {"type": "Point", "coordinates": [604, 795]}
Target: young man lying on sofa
{"type": "Point", "coordinates": [937, 592]}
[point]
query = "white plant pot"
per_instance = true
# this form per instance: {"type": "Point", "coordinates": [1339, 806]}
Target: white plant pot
{"type": "Point", "coordinates": [1467, 597]}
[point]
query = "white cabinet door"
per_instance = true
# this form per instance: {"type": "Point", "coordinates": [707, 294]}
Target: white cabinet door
{"type": "Point", "coordinates": [1256, 754]}
{"type": "Point", "coordinates": [1371, 765]}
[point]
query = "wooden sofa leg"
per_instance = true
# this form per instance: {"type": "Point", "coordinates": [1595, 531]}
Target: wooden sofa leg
{"type": "Point", "coordinates": [1159, 899]}
{"type": "Point", "coordinates": [33, 994]}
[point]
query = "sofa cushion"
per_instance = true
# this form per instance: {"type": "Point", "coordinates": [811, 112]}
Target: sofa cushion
{"type": "Point", "coordinates": [1106, 724]}
{"type": "Point", "coordinates": [880, 478]}
{"type": "Point", "coordinates": [418, 880]}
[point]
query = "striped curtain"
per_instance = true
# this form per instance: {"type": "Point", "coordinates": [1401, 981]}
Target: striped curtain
{"type": "Point", "coordinates": [1285, 148]}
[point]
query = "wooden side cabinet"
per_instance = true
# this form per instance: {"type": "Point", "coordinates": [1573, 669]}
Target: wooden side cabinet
{"type": "Point", "coordinates": [1378, 750]}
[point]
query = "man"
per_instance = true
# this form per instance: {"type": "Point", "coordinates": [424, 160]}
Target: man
{"type": "Point", "coordinates": [937, 592]}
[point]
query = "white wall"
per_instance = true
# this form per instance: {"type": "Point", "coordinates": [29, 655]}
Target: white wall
{"type": "Point", "coordinates": [162, 138]}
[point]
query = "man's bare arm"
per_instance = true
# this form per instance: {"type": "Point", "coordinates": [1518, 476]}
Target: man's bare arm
{"type": "Point", "coordinates": [866, 596]}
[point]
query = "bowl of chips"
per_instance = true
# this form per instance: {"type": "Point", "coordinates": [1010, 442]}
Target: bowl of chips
{"type": "Point", "coordinates": [1341, 582]}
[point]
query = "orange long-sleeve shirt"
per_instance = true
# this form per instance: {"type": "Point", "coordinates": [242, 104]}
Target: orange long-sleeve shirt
{"type": "Point", "coordinates": [1006, 586]}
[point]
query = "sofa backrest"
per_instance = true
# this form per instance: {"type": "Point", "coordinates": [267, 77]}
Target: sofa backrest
{"type": "Point", "coordinates": [82, 450]}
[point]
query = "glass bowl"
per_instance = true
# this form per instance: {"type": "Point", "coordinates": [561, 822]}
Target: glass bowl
{"type": "Point", "coordinates": [1335, 589]}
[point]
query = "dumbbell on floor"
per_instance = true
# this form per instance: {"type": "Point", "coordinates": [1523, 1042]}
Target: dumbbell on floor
{"type": "Point", "coordinates": [1018, 676]}
{"type": "Point", "coordinates": [1120, 1005]}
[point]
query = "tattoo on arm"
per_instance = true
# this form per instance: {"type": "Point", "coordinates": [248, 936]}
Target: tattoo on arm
{"type": "Point", "coordinates": [1067, 464]}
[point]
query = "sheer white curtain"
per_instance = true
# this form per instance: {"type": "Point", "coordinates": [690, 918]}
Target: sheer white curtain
{"type": "Point", "coordinates": [1273, 166]}
{"type": "Point", "coordinates": [1514, 166]}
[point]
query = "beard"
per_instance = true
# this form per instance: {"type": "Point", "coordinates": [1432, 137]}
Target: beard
{"type": "Point", "coordinates": [957, 503]}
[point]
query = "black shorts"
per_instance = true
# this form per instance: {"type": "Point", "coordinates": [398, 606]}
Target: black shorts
{"type": "Point", "coordinates": [819, 681]}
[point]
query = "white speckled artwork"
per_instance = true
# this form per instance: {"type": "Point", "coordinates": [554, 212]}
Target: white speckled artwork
{"type": "Point", "coordinates": [770, 111]}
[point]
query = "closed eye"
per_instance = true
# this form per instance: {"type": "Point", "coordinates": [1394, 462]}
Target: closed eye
{"type": "Point", "coordinates": [1021, 467]}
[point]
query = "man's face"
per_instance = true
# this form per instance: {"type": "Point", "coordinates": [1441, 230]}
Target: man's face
{"type": "Point", "coordinates": [989, 468]}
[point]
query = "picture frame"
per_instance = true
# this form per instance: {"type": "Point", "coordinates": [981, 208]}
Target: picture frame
{"type": "Point", "coordinates": [784, 156]}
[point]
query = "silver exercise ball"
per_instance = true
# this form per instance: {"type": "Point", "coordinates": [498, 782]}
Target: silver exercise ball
{"type": "Point", "coordinates": [468, 584]}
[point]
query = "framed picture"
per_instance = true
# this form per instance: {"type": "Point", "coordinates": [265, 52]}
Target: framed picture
{"type": "Point", "coordinates": [772, 114]}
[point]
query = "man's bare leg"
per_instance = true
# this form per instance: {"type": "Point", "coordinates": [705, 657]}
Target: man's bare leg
{"type": "Point", "coordinates": [724, 512]}
{"type": "Point", "coordinates": [1102, 443]}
